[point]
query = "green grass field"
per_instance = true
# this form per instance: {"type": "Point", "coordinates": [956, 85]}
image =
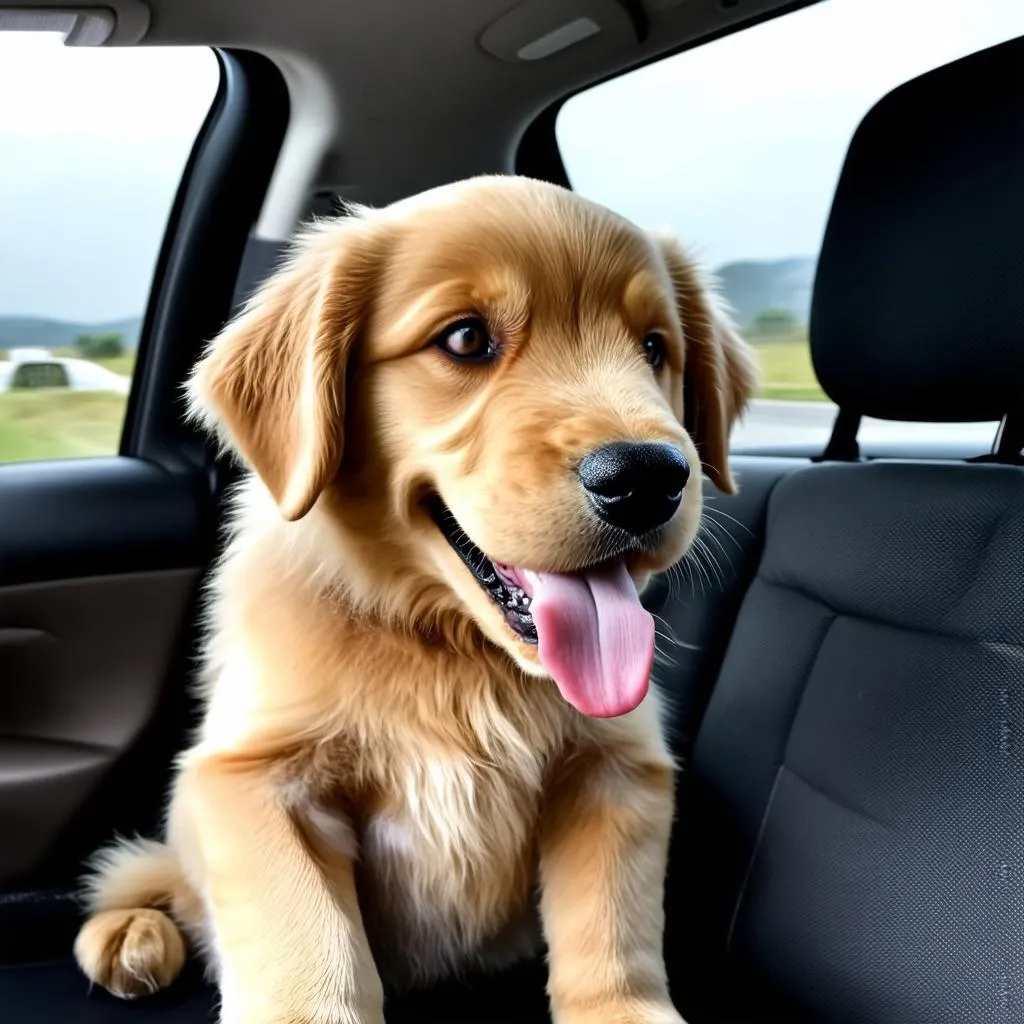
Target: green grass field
{"type": "Point", "coordinates": [73, 424]}
{"type": "Point", "coordinates": [58, 424]}
{"type": "Point", "coordinates": [786, 371]}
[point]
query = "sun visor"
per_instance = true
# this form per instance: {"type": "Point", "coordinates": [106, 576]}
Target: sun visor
{"type": "Point", "coordinates": [115, 23]}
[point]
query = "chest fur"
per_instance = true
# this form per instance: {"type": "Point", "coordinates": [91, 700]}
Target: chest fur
{"type": "Point", "coordinates": [446, 858]}
{"type": "Point", "coordinates": [449, 866]}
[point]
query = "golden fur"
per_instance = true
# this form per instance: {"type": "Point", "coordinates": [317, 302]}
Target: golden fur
{"type": "Point", "coordinates": [385, 775]}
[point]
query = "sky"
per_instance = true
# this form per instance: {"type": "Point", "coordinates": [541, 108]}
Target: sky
{"type": "Point", "coordinates": [735, 145]}
{"type": "Point", "coordinates": [93, 143]}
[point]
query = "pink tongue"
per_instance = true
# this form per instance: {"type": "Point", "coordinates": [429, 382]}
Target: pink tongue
{"type": "Point", "coordinates": [595, 638]}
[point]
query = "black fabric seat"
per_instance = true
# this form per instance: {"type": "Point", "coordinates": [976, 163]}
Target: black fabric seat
{"type": "Point", "coordinates": [859, 782]}
{"type": "Point", "coordinates": [851, 843]}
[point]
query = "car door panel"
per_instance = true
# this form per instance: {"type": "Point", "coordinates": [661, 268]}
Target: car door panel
{"type": "Point", "coordinates": [99, 562]}
{"type": "Point", "coordinates": [82, 665]}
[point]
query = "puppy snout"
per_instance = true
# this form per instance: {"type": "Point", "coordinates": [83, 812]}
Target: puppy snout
{"type": "Point", "coordinates": [636, 487]}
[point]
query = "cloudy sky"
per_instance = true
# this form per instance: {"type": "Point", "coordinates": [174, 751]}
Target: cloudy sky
{"type": "Point", "coordinates": [92, 146]}
{"type": "Point", "coordinates": [735, 145]}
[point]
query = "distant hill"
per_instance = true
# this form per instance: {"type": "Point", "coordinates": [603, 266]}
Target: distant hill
{"type": "Point", "coordinates": [40, 332]}
{"type": "Point", "coordinates": [751, 286]}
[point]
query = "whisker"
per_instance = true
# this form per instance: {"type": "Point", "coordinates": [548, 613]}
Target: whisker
{"type": "Point", "coordinates": [663, 658]}
{"type": "Point", "coordinates": [708, 507]}
{"type": "Point", "coordinates": [714, 524]}
{"type": "Point", "coordinates": [693, 567]}
{"type": "Point", "coordinates": [712, 562]}
{"type": "Point", "coordinates": [674, 577]}
{"type": "Point", "coordinates": [706, 562]}
{"type": "Point", "coordinates": [663, 652]}
{"type": "Point", "coordinates": [694, 558]}
{"type": "Point", "coordinates": [719, 545]}
{"type": "Point", "coordinates": [671, 637]}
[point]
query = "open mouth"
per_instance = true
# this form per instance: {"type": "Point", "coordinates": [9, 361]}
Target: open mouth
{"type": "Point", "coordinates": [505, 592]}
{"type": "Point", "coordinates": [592, 634]}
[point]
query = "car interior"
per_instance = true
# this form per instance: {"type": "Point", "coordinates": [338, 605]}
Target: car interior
{"type": "Point", "coordinates": [846, 690]}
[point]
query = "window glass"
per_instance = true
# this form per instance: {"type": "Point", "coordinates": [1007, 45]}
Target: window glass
{"type": "Point", "coordinates": [737, 145]}
{"type": "Point", "coordinates": [94, 144]}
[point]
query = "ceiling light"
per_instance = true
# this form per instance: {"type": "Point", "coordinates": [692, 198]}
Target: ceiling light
{"type": "Point", "coordinates": [561, 38]}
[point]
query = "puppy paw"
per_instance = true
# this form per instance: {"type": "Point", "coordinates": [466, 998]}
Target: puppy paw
{"type": "Point", "coordinates": [131, 953]}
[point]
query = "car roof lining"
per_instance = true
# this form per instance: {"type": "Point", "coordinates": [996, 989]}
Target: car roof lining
{"type": "Point", "coordinates": [412, 85]}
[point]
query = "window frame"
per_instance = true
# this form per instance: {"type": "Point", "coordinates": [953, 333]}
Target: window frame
{"type": "Point", "coordinates": [218, 201]}
{"type": "Point", "coordinates": [537, 154]}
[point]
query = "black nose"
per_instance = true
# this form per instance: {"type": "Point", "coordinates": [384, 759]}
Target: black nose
{"type": "Point", "coordinates": [635, 487]}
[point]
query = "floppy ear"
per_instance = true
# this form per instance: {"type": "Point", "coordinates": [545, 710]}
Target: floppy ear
{"type": "Point", "coordinates": [720, 370]}
{"type": "Point", "coordinates": [272, 384]}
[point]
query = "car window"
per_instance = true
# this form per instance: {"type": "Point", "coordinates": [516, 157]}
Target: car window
{"type": "Point", "coordinates": [736, 146]}
{"type": "Point", "coordinates": [94, 144]}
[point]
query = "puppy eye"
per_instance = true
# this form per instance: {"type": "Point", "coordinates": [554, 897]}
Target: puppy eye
{"type": "Point", "coordinates": [467, 341]}
{"type": "Point", "coordinates": [654, 350]}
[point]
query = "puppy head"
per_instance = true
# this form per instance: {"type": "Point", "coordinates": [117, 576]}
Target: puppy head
{"type": "Point", "coordinates": [482, 390]}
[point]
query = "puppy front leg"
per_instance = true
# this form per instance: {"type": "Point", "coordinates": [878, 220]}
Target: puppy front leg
{"type": "Point", "coordinates": [287, 929]}
{"type": "Point", "coordinates": [603, 853]}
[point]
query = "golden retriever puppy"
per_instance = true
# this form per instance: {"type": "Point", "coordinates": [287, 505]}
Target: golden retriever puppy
{"type": "Point", "coordinates": [428, 738]}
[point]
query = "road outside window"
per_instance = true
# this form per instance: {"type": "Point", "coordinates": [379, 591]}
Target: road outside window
{"type": "Point", "coordinates": [94, 144]}
{"type": "Point", "coordinates": [737, 145]}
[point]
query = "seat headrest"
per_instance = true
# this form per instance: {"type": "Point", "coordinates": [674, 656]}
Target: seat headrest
{"type": "Point", "coordinates": [918, 309]}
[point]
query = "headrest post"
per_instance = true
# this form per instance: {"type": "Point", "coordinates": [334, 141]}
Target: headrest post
{"type": "Point", "coordinates": [1009, 442]}
{"type": "Point", "coordinates": [842, 445]}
